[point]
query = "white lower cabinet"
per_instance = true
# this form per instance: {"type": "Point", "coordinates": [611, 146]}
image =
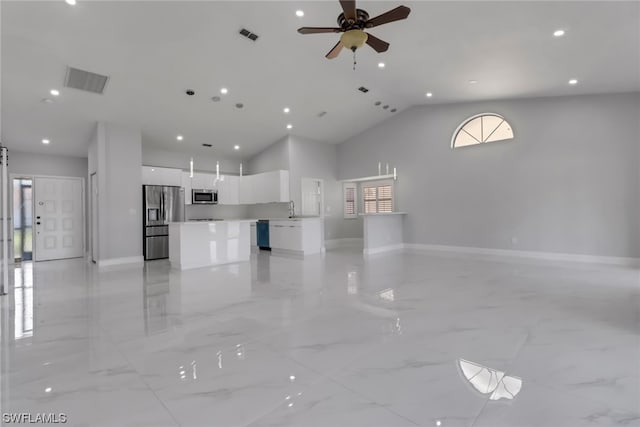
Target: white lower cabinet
{"type": "Point", "coordinates": [254, 235]}
{"type": "Point", "coordinates": [302, 236]}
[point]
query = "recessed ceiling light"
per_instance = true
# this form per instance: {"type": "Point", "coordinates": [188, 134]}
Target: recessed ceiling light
{"type": "Point", "coordinates": [299, 13]}
{"type": "Point", "coordinates": [236, 147]}
{"type": "Point", "coordinates": [472, 82]}
{"type": "Point", "coordinates": [573, 82]}
{"type": "Point", "coordinates": [54, 92]}
{"type": "Point", "coordinates": [48, 390]}
{"type": "Point", "coordinates": [380, 64]}
{"type": "Point", "coordinates": [289, 126]}
{"type": "Point", "coordinates": [179, 137]}
{"type": "Point", "coordinates": [428, 94]}
{"type": "Point", "coordinates": [71, 2]}
{"type": "Point", "coordinates": [45, 141]}
{"type": "Point", "coordinates": [286, 110]}
{"type": "Point", "coordinates": [224, 91]}
{"type": "Point", "coordinates": [558, 33]}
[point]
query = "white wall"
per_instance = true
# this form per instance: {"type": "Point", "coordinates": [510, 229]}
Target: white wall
{"type": "Point", "coordinates": [274, 157]}
{"type": "Point", "coordinates": [315, 159]}
{"type": "Point", "coordinates": [180, 160]}
{"type": "Point", "coordinates": [30, 164]}
{"type": "Point", "coordinates": [569, 181]}
{"type": "Point", "coordinates": [115, 155]}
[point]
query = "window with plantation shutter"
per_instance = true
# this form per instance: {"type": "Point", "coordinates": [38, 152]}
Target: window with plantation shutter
{"type": "Point", "coordinates": [378, 198]}
{"type": "Point", "coordinates": [350, 200]}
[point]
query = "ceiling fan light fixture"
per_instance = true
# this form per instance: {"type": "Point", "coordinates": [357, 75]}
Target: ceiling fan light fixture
{"type": "Point", "coordinates": [353, 39]}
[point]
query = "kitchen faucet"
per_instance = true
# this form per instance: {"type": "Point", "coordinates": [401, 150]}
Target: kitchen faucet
{"type": "Point", "coordinates": [292, 212]}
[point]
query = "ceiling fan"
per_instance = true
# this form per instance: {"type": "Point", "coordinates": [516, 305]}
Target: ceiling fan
{"type": "Point", "coordinates": [352, 23]}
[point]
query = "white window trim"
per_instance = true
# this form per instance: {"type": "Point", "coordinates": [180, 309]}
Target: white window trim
{"type": "Point", "coordinates": [354, 186]}
{"type": "Point", "coordinates": [468, 119]}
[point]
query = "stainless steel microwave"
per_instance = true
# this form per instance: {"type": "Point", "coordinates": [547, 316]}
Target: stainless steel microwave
{"type": "Point", "coordinates": [204, 197]}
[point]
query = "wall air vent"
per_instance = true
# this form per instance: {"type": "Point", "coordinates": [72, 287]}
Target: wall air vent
{"type": "Point", "coordinates": [248, 34]}
{"type": "Point", "coordinates": [363, 89]}
{"type": "Point", "coordinates": [85, 80]}
{"type": "Point", "coordinates": [207, 145]}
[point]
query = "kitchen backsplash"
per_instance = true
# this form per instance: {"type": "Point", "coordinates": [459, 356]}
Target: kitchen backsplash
{"type": "Point", "coordinates": [269, 210]}
{"type": "Point", "coordinates": [216, 211]}
{"type": "Point", "coordinates": [264, 210]}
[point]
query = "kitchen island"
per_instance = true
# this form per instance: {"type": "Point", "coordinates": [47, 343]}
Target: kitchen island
{"type": "Point", "coordinates": [196, 244]}
{"type": "Point", "coordinates": [383, 232]}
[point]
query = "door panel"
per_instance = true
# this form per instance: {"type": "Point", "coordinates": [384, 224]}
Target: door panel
{"type": "Point", "coordinates": [173, 204]}
{"type": "Point", "coordinates": [156, 247]}
{"type": "Point", "coordinates": [153, 205]}
{"type": "Point", "coordinates": [59, 218]}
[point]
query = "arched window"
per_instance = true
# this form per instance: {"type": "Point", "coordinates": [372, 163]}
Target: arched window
{"type": "Point", "coordinates": [481, 128]}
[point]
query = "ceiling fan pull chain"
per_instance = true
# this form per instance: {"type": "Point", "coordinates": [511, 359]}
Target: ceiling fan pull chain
{"type": "Point", "coordinates": [354, 59]}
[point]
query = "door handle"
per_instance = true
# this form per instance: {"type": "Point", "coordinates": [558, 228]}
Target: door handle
{"type": "Point", "coordinates": [38, 223]}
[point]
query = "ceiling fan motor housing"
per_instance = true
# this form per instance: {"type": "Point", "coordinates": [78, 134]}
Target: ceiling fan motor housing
{"type": "Point", "coordinates": [361, 18]}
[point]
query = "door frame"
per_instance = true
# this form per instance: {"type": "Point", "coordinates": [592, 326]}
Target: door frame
{"type": "Point", "coordinates": [321, 181]}
{"type": "Point", "coordinates": [33, 207]}
{"type": "Point", "coordinates": [94, 248]}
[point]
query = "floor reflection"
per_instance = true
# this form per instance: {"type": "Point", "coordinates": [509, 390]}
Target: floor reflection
{"type": "Point", "coordinates": [23, 300]}
{"type": "Point", "coordinates": [490, 381]}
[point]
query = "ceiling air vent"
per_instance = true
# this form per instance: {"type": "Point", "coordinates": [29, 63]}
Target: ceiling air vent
{"type": "Point", "coordinates": [248, 34]}
{"type": "Point", "coordinates": [207, 145]}
{"type": "Point", "coordinates": [85, 80]}
{"type": "Point", "coordinates": [363, 89]}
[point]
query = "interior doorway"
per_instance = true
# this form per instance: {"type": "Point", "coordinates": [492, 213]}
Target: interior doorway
{"type": "Point", "coordinates": [312, 197]}
{"type": "Point", "coordinates": [22, 219]}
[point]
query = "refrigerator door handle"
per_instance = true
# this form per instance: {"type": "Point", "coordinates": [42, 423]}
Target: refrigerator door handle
{"type": "Point", "coordinates": [163, 213]}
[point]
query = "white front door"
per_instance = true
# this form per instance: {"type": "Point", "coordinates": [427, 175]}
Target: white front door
{"type": "Point", "coordinates": [58, 218]}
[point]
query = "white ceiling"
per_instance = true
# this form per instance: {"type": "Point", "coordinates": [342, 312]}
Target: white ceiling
{"type": "Point", "coordinates": [154, 51]}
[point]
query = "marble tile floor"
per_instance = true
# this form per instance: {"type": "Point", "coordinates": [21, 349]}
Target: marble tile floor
{"type": "Point", "coordinates": [334, 340]}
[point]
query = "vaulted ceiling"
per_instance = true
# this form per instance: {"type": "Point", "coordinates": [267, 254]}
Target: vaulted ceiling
{"type": "Point", "coordinates": [154, 51]}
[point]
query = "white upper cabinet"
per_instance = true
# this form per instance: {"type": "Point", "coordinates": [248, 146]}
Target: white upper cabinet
{"type": "Point", "coordinates": [186, 184]}
{"type": "Point", "coordinates": [267, 187]}
{"type": "Point", "coordinates": [246, 189]}
{"type": "Point", "coordinates": [161, 176]}
{"type": "Point", "coordinates": [203, 181]}
{"type": "Point", "coordinates": [228, 190]}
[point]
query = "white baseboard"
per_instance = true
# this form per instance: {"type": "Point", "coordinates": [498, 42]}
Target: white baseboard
{"type": "Point", "coordinates": [383, 249]}
{"type": "Point", "coordinates": [120, 261]}
{"type": "Point", "coordinates": [349, 242]}
{"type": "Point", "coordinates": [549, 256]}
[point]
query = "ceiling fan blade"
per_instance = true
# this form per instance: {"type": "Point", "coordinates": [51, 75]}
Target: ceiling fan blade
{"type": "Point", "coordinates": [335, 51]}
{"type": "Point", "coordinates": [377, 44]}
{"type": "Point", "coordinates": [349, 8]}
{"type": "Point", "coordinates": [318, 30]}
{"type": "Point", "coordinates": [400, 12]}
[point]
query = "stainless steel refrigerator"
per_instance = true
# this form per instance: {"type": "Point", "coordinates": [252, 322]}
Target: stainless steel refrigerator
{"type": "Point", "coordinates": [161, 205]}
